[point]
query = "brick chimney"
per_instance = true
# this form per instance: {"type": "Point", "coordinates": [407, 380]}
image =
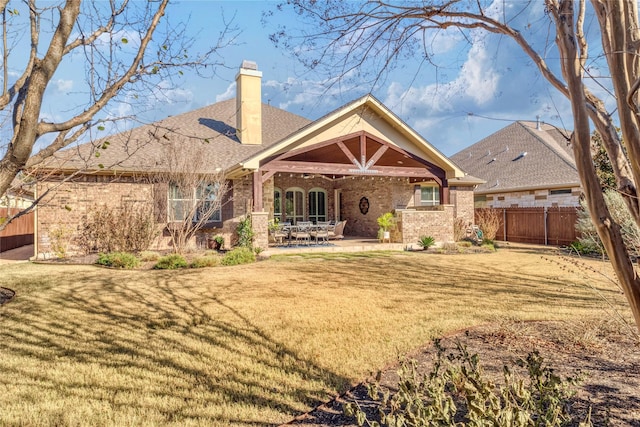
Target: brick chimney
{"type": "Point", "coordinates": [249, 104]}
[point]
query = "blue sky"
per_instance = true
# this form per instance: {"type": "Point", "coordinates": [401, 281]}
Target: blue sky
{"type": "Point", "coordinates": [475, 91]}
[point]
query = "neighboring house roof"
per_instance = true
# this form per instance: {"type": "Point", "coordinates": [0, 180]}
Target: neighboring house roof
{"type": "Point", "coordinates": [210, 130]}
{"type": "Point", "coordinates": [521, 156]}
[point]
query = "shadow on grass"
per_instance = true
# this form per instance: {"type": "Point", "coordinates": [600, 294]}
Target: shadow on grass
{"type": "Point", "coordinates": [171, 342]}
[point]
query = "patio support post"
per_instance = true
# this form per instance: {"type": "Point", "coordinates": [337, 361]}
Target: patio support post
{"type": "Point", "coordinates": [445, 192]}
{"type": "Point", "coordinates": [257, 191]}
{"type": "Point", "coordinates": [260, 225]}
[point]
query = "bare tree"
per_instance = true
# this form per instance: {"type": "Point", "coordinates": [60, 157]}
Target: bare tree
{"type": "Point", "coordinates": [350, 35]}
{"type": "Point", "coordinates": [124, 46]}
{"type": "Point", "coordinates": [189, 202]}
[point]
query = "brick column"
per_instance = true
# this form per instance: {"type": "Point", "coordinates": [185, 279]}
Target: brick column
{"type": "Point", "coordinates": [260, 225]}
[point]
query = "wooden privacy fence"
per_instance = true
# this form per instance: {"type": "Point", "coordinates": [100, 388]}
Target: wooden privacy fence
{"type": "Point", "coordinates": [18, 233]}
{"type": "Point", "coordinates": [544, 226]}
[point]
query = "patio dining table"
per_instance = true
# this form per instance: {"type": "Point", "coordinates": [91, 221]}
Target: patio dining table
{"type": "Point", "coordinates": [304, 232]}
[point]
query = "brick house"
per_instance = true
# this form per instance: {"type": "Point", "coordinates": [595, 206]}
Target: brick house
{"type": "Point", "coordinates": [354, 163]}
{"type": "Point", "coordinates": [526, 164]}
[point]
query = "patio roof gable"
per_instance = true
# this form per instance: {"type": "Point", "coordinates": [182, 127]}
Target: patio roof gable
{"type": "Point", "coordinates": [360, 153]}
{"type": "Point", "coordinates": [366, 114]}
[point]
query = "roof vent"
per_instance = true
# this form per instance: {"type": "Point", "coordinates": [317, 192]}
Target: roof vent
{"type": "Point", "coordinates": [521, 155]}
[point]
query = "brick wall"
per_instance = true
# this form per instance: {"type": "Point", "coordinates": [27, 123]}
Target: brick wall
{"type": "Point", "coordinates": [437, 223]}
{"type": "Point", "coordinates": [462, 199]}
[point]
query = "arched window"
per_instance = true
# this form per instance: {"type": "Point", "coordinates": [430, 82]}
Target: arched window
{"type": "Point", "coordinates": [294, 205]}
{"type": "Point", "coordinates": [317, 205]}
{"type": "Point", "coordinates": [277, 204]}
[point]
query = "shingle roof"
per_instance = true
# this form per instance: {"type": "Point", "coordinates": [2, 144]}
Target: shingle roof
{"type": "Point", "coordinates": [519, 157]}
{"type": "Point", "coordinates": [209, 130]}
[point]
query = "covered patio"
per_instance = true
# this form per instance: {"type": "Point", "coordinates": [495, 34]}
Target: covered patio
{"type": "Point", "coordinates": [354, 165]}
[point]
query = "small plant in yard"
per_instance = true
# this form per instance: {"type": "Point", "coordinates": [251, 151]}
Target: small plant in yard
{"type": "Point", "coordinates": [148, 256]}
{"type": "Point", "coordinates": [215, 242]}
{"type": "Point", "coordinates": [205, 261]}
{"type": "Point", "coordinates": [171, 262]}
{"type": "Point", "coordinates": [61, 240]}
{"type": "Point", "coordinates": [239, 256]}
{"type": "Point", "coordinates": [118, 260]}
{"type": "Point", "coordinates": [460, 227]}
{"type": "Point", "coordinates": [457, 390]}
{"type": "Point", "coordinates": [489, 222]}
{"type": "Point", "coordinates": [426, 242]}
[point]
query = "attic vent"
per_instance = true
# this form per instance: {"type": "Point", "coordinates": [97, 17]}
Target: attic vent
{"type": "Point", "coordinates": [521, 155]}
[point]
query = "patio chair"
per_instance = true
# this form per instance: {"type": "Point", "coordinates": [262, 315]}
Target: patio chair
{"type": "Point", "coordinates": [301, 232]}
{"type": "Point", "coordinates": [338, 231]}
{"type": "Point", "coordinates": [320, 232]}
{"type": "Point", "coordinates": [279, 234]}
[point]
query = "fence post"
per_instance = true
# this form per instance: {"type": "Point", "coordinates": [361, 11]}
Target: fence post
{"type": "Point", "coordinates": [504, 224]}
{"type": "Point", "coordinates": [546, 233]}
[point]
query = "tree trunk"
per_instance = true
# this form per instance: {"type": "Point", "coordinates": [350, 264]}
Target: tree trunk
{"type": "Point", "coordinates": [608, 229]}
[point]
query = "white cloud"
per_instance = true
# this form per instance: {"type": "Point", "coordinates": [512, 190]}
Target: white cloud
{"type": "Point", "coordinates": [64, 86]}
{"type": "Point", "coordinates": [227, 94]}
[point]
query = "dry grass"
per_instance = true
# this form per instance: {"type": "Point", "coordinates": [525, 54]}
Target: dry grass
{"type": "Point", "coordinates": [249, 345]}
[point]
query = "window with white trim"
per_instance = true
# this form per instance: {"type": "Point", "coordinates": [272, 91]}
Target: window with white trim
{"type": "Point", "coordinates": [429, 195]}
{"type": "Point", "coordinates": [197, 203]}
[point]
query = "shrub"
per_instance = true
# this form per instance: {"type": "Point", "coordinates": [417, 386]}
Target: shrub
{"type": "Point", "coordinates": [118, 260]}
{"type": "Point", "coordinates": [171, 262]}
{"type": "Point", "coordinates": [245, 233]}
{"type": "Point", "coordinates": [238, 256]}
{"type": "Point", "coordinates": [127, 228]}
{"type": "Point", "coordinates": [456, 389]}
{"type": "Point", "coordinates": [489, 222]}
{"type": "Point", "coordinates": [426, 242]}
{"type": "Point", "coordinates": [148, 256]}
{"type": "Point", "coordinates": [589, 238]}
{"type": "Point", "coordinates": [60, 238]}
{"type": "Point", "coordinates": [205, 261]}
{"type": "Point", "coordinates": [459, 229]}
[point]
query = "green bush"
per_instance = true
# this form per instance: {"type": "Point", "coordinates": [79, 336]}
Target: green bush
{"type": "Point", "coordinates": [171, 262]}
{"type": "Point", "coordinates": [238, 256]}
{"type": "Point", "coordinates": [118, 260]}
{"type": "Point", "coordinates": [205, 261]}
{"type": "Point", "coordinates": [456, 392]}
{"type": "Point", "coordinates": [245, 233]}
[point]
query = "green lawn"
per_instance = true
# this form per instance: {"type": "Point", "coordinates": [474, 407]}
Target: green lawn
{"type": "Point", "coordinates": [254, 344]}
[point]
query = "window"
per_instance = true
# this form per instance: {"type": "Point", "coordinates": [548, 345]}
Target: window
{"type": "Point", "coordinates": [561, 191]}
{"type": "Point", "coordinates": [429, 195]}
{"type": "Point", "coordinates": [294, 205]}
{"type": "Point", "coordinates": [277, 204]}
{"type": "Point", "coordinates": [317, 205]}
{"type": "Point", "coordinates": [200, 202]}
